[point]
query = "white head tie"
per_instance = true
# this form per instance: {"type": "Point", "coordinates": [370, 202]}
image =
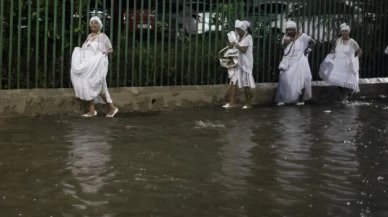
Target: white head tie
{"type": "Point", "coordinates": [243, 25]}
{"type": "Point", "coordinates": [290, 25]}
{"type": "Point", "coordinates": [98, 21]}
{"type": "Point", "coordinates": [345, 27]}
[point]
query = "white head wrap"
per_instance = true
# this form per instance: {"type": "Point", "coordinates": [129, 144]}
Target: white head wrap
{"type": "Point", "coordinates": [290, 24]}
{"type": "Point", "coordinates": [243, 25]}
{"type": "Point", "coordinates": [96, 19]}
{"type": "Point", "coordinates": [345, 27]}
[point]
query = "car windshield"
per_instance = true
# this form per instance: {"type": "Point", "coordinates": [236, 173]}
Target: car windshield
{"type": "Point", "coordinates": [170, 7]}
{"type": "Point", "coordinates": [256, 11]}
{"type": "Point", "coordinates": [201, 6]}
{"type": "Point", "coordinates": [139, 4]}
{"type": "Point", "coordinates": [273, 8]}
{"type": "Point", "coordinates": [96, 3]}
{"type": "Point", "coordinates": [325, 8]}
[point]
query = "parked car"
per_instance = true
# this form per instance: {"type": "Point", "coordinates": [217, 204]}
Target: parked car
{"type": "Point", "coordinates": [261, 15]}
{"type": "Point", "coordinates": [320, 20]}
{"type": "Point", "coordinates": [139, 17]}
{"type": "Point", "coordinates": [322, 24]}
{"type": "Point", "coordinates": [34, 8]}
{"type": "Point", "coordinates": [267, 12]}
{"type": "Point", "coordinates": [104, 13]}
{"type": "Point", "coordinates": [204, 15]}
{"type": "Point", "coordinates": [185, 20]}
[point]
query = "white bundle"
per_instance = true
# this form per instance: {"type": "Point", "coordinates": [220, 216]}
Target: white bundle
{"type": "Point", "coordinates": [232, 37]}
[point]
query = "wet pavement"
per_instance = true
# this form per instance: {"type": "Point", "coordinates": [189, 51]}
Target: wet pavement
{"type": "Point", "coordinates": [317, 160]}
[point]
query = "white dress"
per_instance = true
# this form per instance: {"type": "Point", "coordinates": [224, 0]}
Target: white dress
{"type": "Point", "coordinates": [241, 74]}
{"type": "Point", "coordinates": [89, 67]}
{"type": "Point", "coordinates": [341, 68]}
{"type": "Point", "coordinates": [296, 76]}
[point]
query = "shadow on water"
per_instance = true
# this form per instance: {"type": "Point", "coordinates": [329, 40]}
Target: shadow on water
{"type": "Point", "coordinates": [327, 160]}
{"type": "Point", "coordinates": [88, 161]}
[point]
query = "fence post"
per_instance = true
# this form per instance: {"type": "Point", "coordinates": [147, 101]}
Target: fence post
{"type": "Point", "coordinates": [1, 41]}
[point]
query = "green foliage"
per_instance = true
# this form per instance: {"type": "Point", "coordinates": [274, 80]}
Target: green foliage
{"type": "Point", "coordinates": [169, 63]}
{"type": "Point", "coordinates": [39, 56]}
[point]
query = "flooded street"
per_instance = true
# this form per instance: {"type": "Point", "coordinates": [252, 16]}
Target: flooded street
{"type": "Point", "coordinates": [317, 160]}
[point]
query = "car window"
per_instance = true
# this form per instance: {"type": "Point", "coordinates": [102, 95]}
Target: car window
{"type": "Point", "coordinates": [325, 8]}
{"type": "Point", "coordinates": [94, 3]}
{"type": "Point", "coordinates": [173, 8]}
{"type": "Point", "coordinates": [202, 6]}
{"type": "Point", "coordinates": [131, 4]}
{"type": "Point", "coordinates": [256, 11]}
{"type": "Point", "coordinates": [273, 8]}
{"type": "Point", "coordinates": [368, 7]}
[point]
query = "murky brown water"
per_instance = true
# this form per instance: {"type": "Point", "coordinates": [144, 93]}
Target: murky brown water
{"type": "Point", "coordinates": [272, 161]}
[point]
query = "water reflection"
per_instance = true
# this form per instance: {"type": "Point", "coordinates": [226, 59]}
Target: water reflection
{"type": "Point", "coordinates": [293, 153]}
{"type": "Point", "coordinates": [236, 163]}
{"type": "Point", "coordinates": [372, 154]}
{"type": "Point", "coordinates": [340, 162]}
{"type": "Point", "coordinates": [88, 159]}
{"type": "Point", "coordinates": [274, 161]}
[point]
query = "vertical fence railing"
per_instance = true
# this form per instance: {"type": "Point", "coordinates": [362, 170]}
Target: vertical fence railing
{"type": "Point", "coordinates": [384, 33]}
{"type": "Point", "coordinates": [10, 48]}
{"type": "Point", "coordinates": [176, 42]}
{"type": "Point", "coordinates": [2, 20]}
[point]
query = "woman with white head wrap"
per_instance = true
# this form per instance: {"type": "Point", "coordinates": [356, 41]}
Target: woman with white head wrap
{"type": "Point", "coordinates": [241, 74]}
{"type": "Point", "coordinates": [295, 74]}
{"type": "Point", "coordinates": [89, 68]}
{"type": "Point", "coordinates": [340, 68]}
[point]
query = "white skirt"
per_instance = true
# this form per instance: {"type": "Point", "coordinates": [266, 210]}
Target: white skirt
{"type": "Point", "coordinates": [292, 81]}
{"type": "Point", "coordinates": [88, 75]}
{"type": "Point", "coordinates": [241, 78]}
{"type": "Point", "coordinates": [340, 72]}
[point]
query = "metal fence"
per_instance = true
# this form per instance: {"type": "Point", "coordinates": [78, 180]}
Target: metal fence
{"type": "Point", "coordinates": [176, 42]}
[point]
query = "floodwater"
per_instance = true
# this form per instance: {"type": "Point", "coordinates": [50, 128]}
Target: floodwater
{"type": "Point", "coordinates": [316, 160]}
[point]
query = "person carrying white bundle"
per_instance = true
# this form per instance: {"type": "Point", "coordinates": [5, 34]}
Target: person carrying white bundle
{"type": "Point", "coordinates": [295, 74]}
{"type": "Point", "coordinates": [89, 67]}
{"type": "Point", "coordinates": [241, 73]}
{"type": "Point", "coordinates": [340, 68]}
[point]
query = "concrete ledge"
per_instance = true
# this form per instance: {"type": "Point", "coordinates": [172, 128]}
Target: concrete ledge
{"type": "Point", "coordinates": [41, 102]}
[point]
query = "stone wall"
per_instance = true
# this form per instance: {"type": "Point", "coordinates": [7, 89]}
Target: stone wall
{"type": "Point", "coordinates": [42, 102]}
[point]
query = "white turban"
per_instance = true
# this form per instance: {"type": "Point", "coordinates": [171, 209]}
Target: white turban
{"type": "Point", "coordinates": [243, 25]}
{"type": "Point", "coordinates": [290, 25]}
{"type": "Point", "coordinates": [345, 27]}
{"type": "Point", "coordinates": [96, 19]}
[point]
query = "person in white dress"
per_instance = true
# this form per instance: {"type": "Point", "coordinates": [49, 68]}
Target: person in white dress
{"type": "Point", "coordinates": [241, 75]}
{"type": "Point", "coordinates": [295, 74]}
{"type": "Point", "coordinates": [89, 67]}
{"type": "Point", "coordinates": [340, 68]}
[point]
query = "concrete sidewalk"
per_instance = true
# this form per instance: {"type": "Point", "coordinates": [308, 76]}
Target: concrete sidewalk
{"type": "Point", "coordinates": [41, 102]}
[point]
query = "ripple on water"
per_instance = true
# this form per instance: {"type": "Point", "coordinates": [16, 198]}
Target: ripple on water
{"type": "Point", "coordinates": [359, 103]}
{"type": "Point", "coordinates": [294, 162]}
{"type": "Point", "coordinates": [202, 124]}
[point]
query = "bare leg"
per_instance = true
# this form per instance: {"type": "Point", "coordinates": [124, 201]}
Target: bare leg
{"type": "Point", "coordinates": [233, 90]}
{"type": "Point", "coordinates": [350, 93]}
{"type": "Point", "coordinates": [227, 95]}
{"type": "Point", "coordinates": [91, 108]}
{"type": "Point", "coordinates": [110, 105]}
{"type": "Point", "coordinates": [343, 93]}
{"type": "Point", "coordinates": [341, 89]}
{"type": "Point", "coordinates": [248, 97]}
{"type": "Point", "coordinates": [346, 93]}
{"type": "Point", "coordinates": [301, 97]}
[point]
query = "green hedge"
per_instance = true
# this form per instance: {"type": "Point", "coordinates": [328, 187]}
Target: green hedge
{"type": "Point", "coordinates": [142, 59]}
